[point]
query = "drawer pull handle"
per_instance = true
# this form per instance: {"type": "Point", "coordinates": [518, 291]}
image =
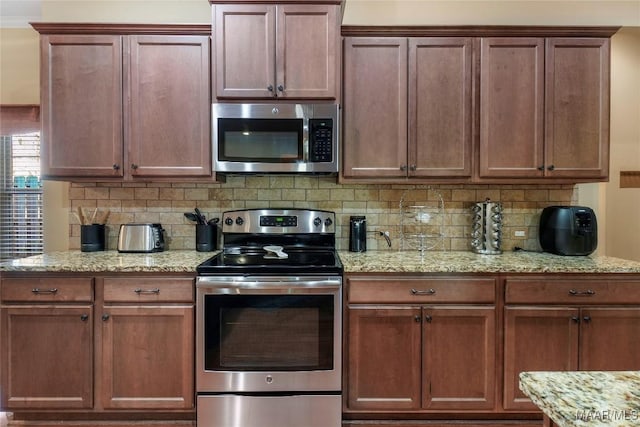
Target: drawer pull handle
{"type": "Point", "coordinates": [423, 291]}
{"type": "Point", "coordinates": [39, 291]}
{"type": "Point", "coordinates": [147, 291]}
{"type": "Point", "coordinates": [586, 293]}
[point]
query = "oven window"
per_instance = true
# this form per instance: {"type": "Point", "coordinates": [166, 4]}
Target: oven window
{"type": "Point", "coordinates": [260, 140]}
{"type": "Point", "coordinates": [268, 332]}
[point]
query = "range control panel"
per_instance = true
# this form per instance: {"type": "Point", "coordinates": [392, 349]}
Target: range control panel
{"type": "Point", "coordinates": [278, 221]}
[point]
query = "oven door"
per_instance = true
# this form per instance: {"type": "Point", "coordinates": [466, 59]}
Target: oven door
{"type": "Point", "coordinates": [268, 334]}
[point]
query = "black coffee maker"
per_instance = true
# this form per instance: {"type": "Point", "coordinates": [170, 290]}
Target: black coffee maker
{"type": "Point", "coordinates": [357, 234]}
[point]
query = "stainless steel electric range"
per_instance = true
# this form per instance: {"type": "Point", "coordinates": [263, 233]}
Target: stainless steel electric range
{"type": "Point", "coordinates": [269, 322]}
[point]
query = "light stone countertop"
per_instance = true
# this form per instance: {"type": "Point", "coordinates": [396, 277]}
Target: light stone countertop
{"type": "Point", "coordinates": [109, 261]}
{"type": "Point", "coordinates": [186, 261]}
{"type": "Point", "coordinates": [470, 262]}
{"type": "Point", "coordinates": [586, 398]}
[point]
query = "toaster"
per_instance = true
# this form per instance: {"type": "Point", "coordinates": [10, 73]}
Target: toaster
{"type": "Point", "coordinates": [141, 238]}
{"type": "Point", "coordinates": [568, 230]}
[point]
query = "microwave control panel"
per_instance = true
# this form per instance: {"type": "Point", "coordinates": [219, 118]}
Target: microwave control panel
{"type": "Point", "coordinates": [320, 140]}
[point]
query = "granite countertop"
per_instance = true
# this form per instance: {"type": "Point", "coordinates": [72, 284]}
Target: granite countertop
{"type": "Point", "coordinates": [363, 262]}
{"type": "Point", "coordinates": [470, 262]}
{"type": "Point", "coordinates": [584, 398]}
{"type": "Point", "coordinates": [109, 261]}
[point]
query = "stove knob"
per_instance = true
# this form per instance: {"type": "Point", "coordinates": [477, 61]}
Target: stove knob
{"type": "Point", "coordinates": [228, 221]}
{"type": "Point", "coordinates": [239, 221]}
{"type": "Point", "coordinates": [328, 222]}
{"type": "Point", "coordinates": [317, 222]}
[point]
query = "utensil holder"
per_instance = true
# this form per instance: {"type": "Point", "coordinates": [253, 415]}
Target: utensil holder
{"type": "Point", "coordinates": [92, 237]}
{"type": "Point", "coordinates": [486, 234]}
{"type": "Point", "coordinates": [206, 237]}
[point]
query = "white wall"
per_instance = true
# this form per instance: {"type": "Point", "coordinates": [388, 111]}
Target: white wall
{"type": "Point", "coordinates": [623, 204]}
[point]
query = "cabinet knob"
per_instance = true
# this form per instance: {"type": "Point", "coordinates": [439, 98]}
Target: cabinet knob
{"type": "Point", "coordinates": [575, 319]}
{"type": "Point", "coordinates": [134, 166]}
{"type": "Point", "coordinates": [552, 167]}
{"type": "Point", "coordinates": [417, 318]}
{"type": "Point", "coordinates": [270, 88]}
{"type": "Point", "coordinates": [403, 167]}
{"type": "Point", "coordinates": [428, 318]}
{"type": "Point", "coordinates": [280, 88]}
{"type": "Point", "coordinates": [541, 168]}
{"type": "Point", "coordinates": [84, 317]}
{"type": "Point", "coordinates": [116, 166]}
{"type": "Point", "coordinates": [413, 168]}
{"type": "Point", "coordinates": [105, 317]}
{"type": "Point", "coordinates": [587, 319]}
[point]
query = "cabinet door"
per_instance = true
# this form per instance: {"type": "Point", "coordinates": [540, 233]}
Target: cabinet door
{"type": "Point", "coordinates": [440, 103]}
{"type": "Point", "coordinates": [81, 105]}
{"type": "Point", "coordinates": [147, 357]}
{"type": "Point", "coordinates": [244, 38]}
{"type": "Point", "coordinates": [609, 339]}
{"type": "Point", "coordinates": [512, 107]}
{"type": "Point", "coordinates": [459, 365]}
{"type": "Point", "coordinates": [307, 51]}
{"type": "Point", "coordinates": [47, 355]}
{"type": "Point", "coordinates": [577, 107]}
{"type": "Point", "coordinates": [537, 339]}
{"type": "Point", "coordinates": [375, 107]}
{"type": "Point", "coordinates": [168, 119]}
{"type": "Point", "coordinates": [384, 358]}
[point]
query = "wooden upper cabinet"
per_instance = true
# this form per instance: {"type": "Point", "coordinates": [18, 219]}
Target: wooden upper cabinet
{"type": "Point", "coordinates": [375, 107]}
{"type": "Point", "coordinates": [125, 101]}
{"type": "Point", "coordinates": [168, 125]}
{"type": "Point", "coordinates": [577, 107]}
{"type": "Point", "coordinates": [407, 107]}
{"type": "Point", "coordinates": [544, 108]}
{"type": "Point", "coordinates": [512, 107]}
{"type": "Point", "coordinates": [81, 105]}
{"type": "Point", "coordinates": [276, 51]}
{"type": "Point", "coordinates": [440, 104]}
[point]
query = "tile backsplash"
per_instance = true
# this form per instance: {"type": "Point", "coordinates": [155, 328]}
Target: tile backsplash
{"type": "Point", "coordinates": [166, 202]}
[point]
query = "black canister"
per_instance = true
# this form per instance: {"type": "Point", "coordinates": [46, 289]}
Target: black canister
{"type": "Point", "coordinates": [206, 237]}
{"type": "Point", "coordinates": [92, 237]}
{"type": "Point", "coordinates": [357, 234]}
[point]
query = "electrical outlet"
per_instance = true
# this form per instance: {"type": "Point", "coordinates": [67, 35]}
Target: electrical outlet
{"type": "Point", "coordinates": [520, 233]}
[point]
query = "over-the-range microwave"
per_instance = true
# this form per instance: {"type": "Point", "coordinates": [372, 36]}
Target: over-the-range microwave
{"type": "Point", "coordinates": [275, 138]}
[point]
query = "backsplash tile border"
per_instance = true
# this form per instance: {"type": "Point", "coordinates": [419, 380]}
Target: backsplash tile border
{"type": "Point", "coordinates": [166, 202]}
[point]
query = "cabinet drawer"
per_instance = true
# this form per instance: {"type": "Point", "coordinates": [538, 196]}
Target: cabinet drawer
{"type": "Point", "coordinates": [572, 291]}
{"type": "Point", "coordinates": [420, 290]}
{"type": "Point", "coordinates": [148, 289]}
{"type": "Point", "coordinates": [47, 289]}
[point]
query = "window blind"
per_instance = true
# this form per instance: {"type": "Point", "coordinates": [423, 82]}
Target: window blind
{"type": "Point", "coordinates": [20, 196]}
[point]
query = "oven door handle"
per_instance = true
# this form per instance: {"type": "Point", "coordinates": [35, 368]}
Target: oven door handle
{"type": "Point", "coordinates": [266, 285]}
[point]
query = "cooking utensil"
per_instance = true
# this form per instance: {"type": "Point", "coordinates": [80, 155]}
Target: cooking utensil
{"type": "Point", "coordinates": [191, 217]}
{"type": "Point", "coordinates": [275, 252]}
{"type": "Point", "coordinates": [213, 221]}
{"type": "Point", "coordinates": [201, 218]}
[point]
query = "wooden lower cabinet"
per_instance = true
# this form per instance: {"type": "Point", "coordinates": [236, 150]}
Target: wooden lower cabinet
{"type": "Point", "coordinates": [384, 358]}
{"type": "Point", "coordinates": [596, 328]}
{"type": "Point", "coordinates": [147, 357]}
{"type": "Point", "coordinates": [420, 358]}
{"type": "Point", "coordinates": [91, 351]}
{"type": "Point", "coordinates": [47, 356]}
